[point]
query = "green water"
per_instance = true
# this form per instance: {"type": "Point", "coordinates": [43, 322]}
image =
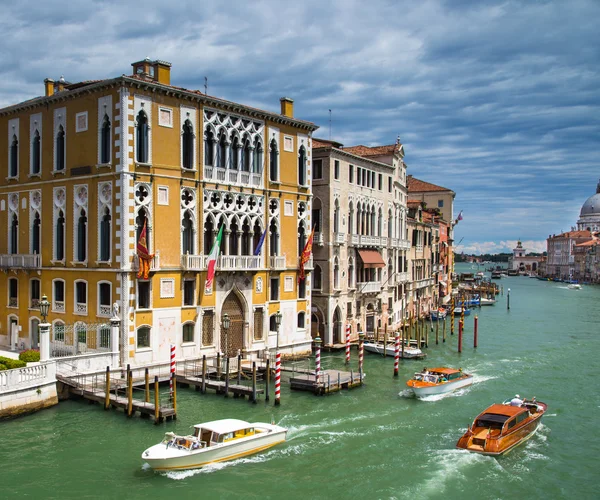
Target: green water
{"type": "Point", "coordinates": [372, 442]}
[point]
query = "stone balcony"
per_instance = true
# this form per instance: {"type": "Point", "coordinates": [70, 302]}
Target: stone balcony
{"type": "Point", "coordinates": [20, 261]}
{"type": "Point", "coordinates": [277, 262]}
{"type": "Point", "coordinates": [229, 176]}
{"type": "Point", "coordinates": [224, 262]}
{"type": "Point", "coordinates": [368, 287]}
{"type": "Point", "coordinates": [154, 263]}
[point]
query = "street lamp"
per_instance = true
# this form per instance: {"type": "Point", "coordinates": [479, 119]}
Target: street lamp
{"type": "Point", "coordinates": [226, 323]}
{"type": "Point", "coordinates": [44, 307]}
{"type": "Point", "coordinates": [278, 316]}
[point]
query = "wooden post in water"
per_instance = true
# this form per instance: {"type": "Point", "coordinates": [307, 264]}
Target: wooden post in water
{"type": "Point", "coordinates": [404, 328]}
{"type": "Point", "coordinates": [452, 318]}
{"type": "Point", "coordinates": [437, 331]}
{"type": "Point", "coordinates": [254, 382]}
{"type": "Point", "coordinates": [508, 299]}
{"type": "Point", "coordinates": [239, 375]}
{"type": "Point", "coordinates": [174, 376]}
{"type": "Point", "coordinates": [147, 385]}
{"type": "Point", "coordinates": [444, 331]}
{"type": "Point", "coordinates": [475, 333]}
{"type": "Point", "coordinates": [218, 366]}
{"type": "Point", "coordinates": [385, 340]}
{"type": "Point", "coordinates": [460, 334]}
{"type": "Point", "coordinates": [107, 390]}
{"type": "Point", "coordinates": [129, 392]}
{"type": "Point", "coordinates": [204, 374]}
{"type": "Point", "coordinates": [268, 380]}
{"type": "Point", "coordinates": [156, 401]}
{"type": "Point", "coordinates": [426, 333]}
{"type": "Point", "coordinates": [227, 376]}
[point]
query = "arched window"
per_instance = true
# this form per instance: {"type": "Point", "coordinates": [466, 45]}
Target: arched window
{"type": "Point", "coordinates": [246, 239]}
{"type": "Point", "coordinates": [105, 236]}
{"type": "Point", "coordinates": [257, 159]}
{"type": "Point", "coordinates": [222, 150]}
{"type": "Point", "coordinates": [187, 234]}
{"type": "Point", "coordinates": [390, 225]}
{"type": "Point", "coordinates": [273, 239]}
{"type": "Point", "coordinates": [105, 140]}
{"type": "Point", "coordinates": [350, 218]}
{"type": "Point", "coordinates": [35, 154]}
{"type": "Point", "coordinates": [140, 221]}
{"type": "Point", "coordinates": [336, 275]}
{"type": "Point", "coordinates": [209, 234]}
{"type": "Point", "coordinates": [380, 223]}
{"type": "Point", "coordinates": [35, 234]}
{"type": "Point", "coordinates": [141, 137]}
{"type": "Point", "coordinates": [13, 292]}
{"type": "Point", "coordinates": [234, 154]}
{"type": "Point", "coordinates": [187, 145]}
{"type": "Point", "coordinates": [14, 235]}
{"type": "Point", "coordinates": [82, 237]}
{"type": "Point", "coordinates": [143, 336]}
{"type": "Point", "coordinates": [350, 273]}
{"type": "Point", "coordinates": [302, 166]}
{"type": "Point", "coordinates": [60, 149]}
{"type": "Point", "coordinates": [209, 147]}
{"type": "Point", "coordinates": [301, 320]}
{"type": "Point", "coordinates": [273, 161]}
{"type": "Point", "coordinates": [59, 242]}
{"type": "Point", "coordinates": [336, 216]}
{"type": "Point", "coordinates": [14, 157]}
{"type": "Point", "coordinates": [301, 238]}
{"type": "Point", "coordinates": [317, 278]}
{"type": "Point", "coordinates": [246, 156]}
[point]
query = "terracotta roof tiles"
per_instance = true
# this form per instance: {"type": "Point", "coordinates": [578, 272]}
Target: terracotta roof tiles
{"type": "Point", "coordinates": [373, 151]}
{"type": "Point", "coordinates": [418, 186]}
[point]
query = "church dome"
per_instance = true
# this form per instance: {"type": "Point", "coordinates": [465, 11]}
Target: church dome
{"type": "Point", "coordinates": [592, 204]}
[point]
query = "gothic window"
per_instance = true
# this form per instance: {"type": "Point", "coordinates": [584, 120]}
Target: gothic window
{"type": "Point", "coordinates": [82, 237]}
{"type": "Point", "coordinates": [302, 166]}
{"type": "Point", "coordinates": [273, 161]}
{"type": "Point", "coordinates": [209, 234]}
{"type": "Point", "coordinates": [59, 241]}
{"type": "Point", "coordinates": [14, 157]}
{"type": "Point", "coordinates": [246, 239]}
{"type": "Point", "coordinates": [187, 145]}
{"type": "Point", "coordinates": [234, 154]}
{"type": "Point", "coordinates": [273, 238]}
{"type": "Point", "coordinates": [246, 156]}
{"type": "Point", "coordinates": [35, 154]}
{"type": "Point", "coordinates": [336, 217]}
{"type": "Point", "coordinates": [209, 147]}
{"type": "Point", "coordinates": [301, 238]}
{"type": "Point", "coordinates": [336, 275]}
{"type": "Point", "coordinates": [351, 273]}
{"type": "Point", "coordinates": [13, 292]}
{"type": "Point", "coordinates": [34, 294]}
{"type": "Point", "coordinates": [14, 235]}
{"type": "Point", "coordinates": [105, 140]}
{"type": "Point", "coordinates": [105, 236]}
{"type": "Point", "coordinates": [35, 234]}
{"type": "Point", "coordinates": [222, 150]}
{"type": "Point", "coordinates": [141, 137]}
{"type": "Point", "coordinates": [140, 221]}
{"type": "Point", "coordinates": [317, 278]}
{"type": "Point", "coordinates": [350, 218]}
{"type": "Point", "coordinates": [257, 160]}
{"type": "Point", "coordinates": [187, 234]}
{"type": "Point", "coordinates": [60, 149]}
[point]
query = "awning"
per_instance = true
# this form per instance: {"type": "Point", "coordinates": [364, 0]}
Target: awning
{"type": "Point", "coordinates": [371, 258]}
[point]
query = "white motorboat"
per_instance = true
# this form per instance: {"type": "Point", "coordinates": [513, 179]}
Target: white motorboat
{"type": "Point", "coordinates": [433, 381]}
{"type": "Point", "coordinates": [211, 442]}
{"type": "Point", "coordinates": [486, 302]}
{"type": "Point", "coordinates": [574, 286]}
{"type": "Point", "coordinates": [410, 352]}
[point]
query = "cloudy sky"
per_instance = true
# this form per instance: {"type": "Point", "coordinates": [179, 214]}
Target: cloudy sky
{"type": "Point", "coordinates": [498, 101]}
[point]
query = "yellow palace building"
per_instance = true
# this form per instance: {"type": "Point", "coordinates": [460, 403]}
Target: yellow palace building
{"type": "Point", "coordinates": [86, 167]}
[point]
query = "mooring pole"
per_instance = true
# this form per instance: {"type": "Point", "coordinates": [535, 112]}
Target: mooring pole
{"type": "Point", "coordinates": [475, 333]}
{"type": "Point", "coordinates": [396, 354]}
{"type": "Point", "coordinates": [361, 340]}
{"type": "Point", "coordinates": [508, 299]}
{"type": "Point", "coordinates": [107, 390]}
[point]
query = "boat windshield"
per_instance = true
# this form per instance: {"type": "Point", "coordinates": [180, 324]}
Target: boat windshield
{"type": "Point", "coordinates": [491, 420]}
{"type": "Point", "coordinates": [431, 378]}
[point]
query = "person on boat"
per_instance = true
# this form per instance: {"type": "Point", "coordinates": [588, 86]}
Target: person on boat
{"type": "Point", "coordinates": [516, 401]}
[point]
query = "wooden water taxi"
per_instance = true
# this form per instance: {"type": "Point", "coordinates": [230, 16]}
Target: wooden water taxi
{"type": "Point", "coordinates": [502, 427]}
{"type": "Point", "coordinates": [212, 442]}
{"type": "Point", "coordinates": [432, 381]}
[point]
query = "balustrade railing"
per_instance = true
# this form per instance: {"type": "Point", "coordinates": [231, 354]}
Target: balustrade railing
{"type": "Point", "coordinates": [29, 376]}
{"type": "Point", "coordinates": [368, 287]}
{"type": "Point", "coordinates": [21, 261]}
{"type": "Point", "coordinates": [230, 176]}
{"type": "Point", "coordinates": [277, 261]}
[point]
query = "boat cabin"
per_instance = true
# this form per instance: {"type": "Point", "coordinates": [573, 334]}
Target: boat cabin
{"type": "Point", "coordinates": [222, 431]}
{"type": "Point", "coordinates": [504, 417]}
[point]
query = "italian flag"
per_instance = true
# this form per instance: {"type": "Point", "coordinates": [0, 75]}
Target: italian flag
{"type": "Point", "coordinates": [212, 262]}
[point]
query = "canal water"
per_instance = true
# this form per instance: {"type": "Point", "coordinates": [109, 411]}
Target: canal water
{"type": "Point", "coordinates": [372, 442]}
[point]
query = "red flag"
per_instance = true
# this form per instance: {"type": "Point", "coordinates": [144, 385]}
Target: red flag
{"type": "Point", "coordinates": [144, 257]}
{"type": "Point", "coordinates": [305, 256]}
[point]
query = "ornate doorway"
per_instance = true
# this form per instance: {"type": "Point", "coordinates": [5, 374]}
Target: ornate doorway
{"type": "Point", "coordinates": [233, 339]}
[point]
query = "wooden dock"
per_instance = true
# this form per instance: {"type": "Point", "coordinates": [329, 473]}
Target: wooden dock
{"type": "Point", "coordinates": [220, 386]}
{"type": "Point", "coordinates": [329, 381]}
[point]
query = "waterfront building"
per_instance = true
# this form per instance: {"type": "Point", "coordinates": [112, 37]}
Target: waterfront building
{"type": "Point", "coordinates": [561, 260]}
{"type": "Point", "coordinates": [100, 177]}
{"type": "Point", "coordinates": [520, 262]}
{"type": "Point", "coordinates": [589, 216]}
{"type": "Point", "coordinates": [360, 244]}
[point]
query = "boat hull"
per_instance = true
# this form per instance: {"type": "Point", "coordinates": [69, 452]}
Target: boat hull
{"type": "Point", "coordinates": [161, 458]}
{"type": "Point", "coordinates": [422, 389]}
{"type": "Point", "coordinates": [390, 350]}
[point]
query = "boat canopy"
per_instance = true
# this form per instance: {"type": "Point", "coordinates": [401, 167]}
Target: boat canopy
{"type": "Point", "coordinates": [224, 426]}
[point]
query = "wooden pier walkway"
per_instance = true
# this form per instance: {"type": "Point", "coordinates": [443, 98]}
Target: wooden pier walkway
{"type": "Point", "coordinates": [220, 386]}
{"type": "Point", "coordinates": [329, 381]}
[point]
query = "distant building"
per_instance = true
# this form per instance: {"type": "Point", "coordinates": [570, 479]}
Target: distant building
{"type": "Point", "coordinates": [561, 258]}
{"type": "Point", "coordinates": [521, 262]}
{"type": "Point", "coordinates": [589, 216]}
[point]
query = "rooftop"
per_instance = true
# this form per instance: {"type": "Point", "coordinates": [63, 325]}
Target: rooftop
{"type": "Point", "coordinates": [418, 186]}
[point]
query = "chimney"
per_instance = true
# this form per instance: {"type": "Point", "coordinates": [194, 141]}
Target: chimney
{"type": "Point", "coordinates": [162, 72]}
{"type": "Point", "coordinates": [60, 85]}
{"type": "Point", "coordinates": [49, 84]}
{"type": "Point", "coordinates": [287, 107]}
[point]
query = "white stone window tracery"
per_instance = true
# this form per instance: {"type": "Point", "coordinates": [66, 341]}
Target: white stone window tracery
{"type": "Point", "coordinates": [59, 213]}
{"type": "Point", "coordinates": [105, 222]}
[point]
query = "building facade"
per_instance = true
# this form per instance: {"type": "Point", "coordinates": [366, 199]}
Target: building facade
{"type": "Point", "coordinates": [360, 245]}
{"type": "Point", "coordinates": [93, 168]}
{"type": "Point", "coordinates": [523, 263]}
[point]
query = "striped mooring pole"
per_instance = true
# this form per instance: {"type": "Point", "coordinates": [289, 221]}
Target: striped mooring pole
{"type": "Point", "coordinates": [361, 351]}
{"type": "Point", "coordinates": [317, 358]}
{"type": "Point", "coordinates": [348, 343]}
{"type": "Point", "coordinates": [172, 371]}
{"type": "Point", "coordinates": [396, 354]}
{"type": "Point", "coordinates": [277, 378]}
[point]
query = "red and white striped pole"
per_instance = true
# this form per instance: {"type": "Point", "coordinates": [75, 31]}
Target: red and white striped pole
{"type": "Point", "coordinates": [361, 351]}
{"type": "Point", "coordinates": [172, 371]}
{"type": "Point", "coordinates": [277, 378]}
{"type": "Point", "coordinates": [348, 343]}
{"type": "Point", "coordinates": [396, 354]}
{"type": "Point", "coordinates": [317, 358]}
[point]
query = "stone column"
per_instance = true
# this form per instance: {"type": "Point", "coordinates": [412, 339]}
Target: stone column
{"type": "Point", "coordinates": [44, 341]}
